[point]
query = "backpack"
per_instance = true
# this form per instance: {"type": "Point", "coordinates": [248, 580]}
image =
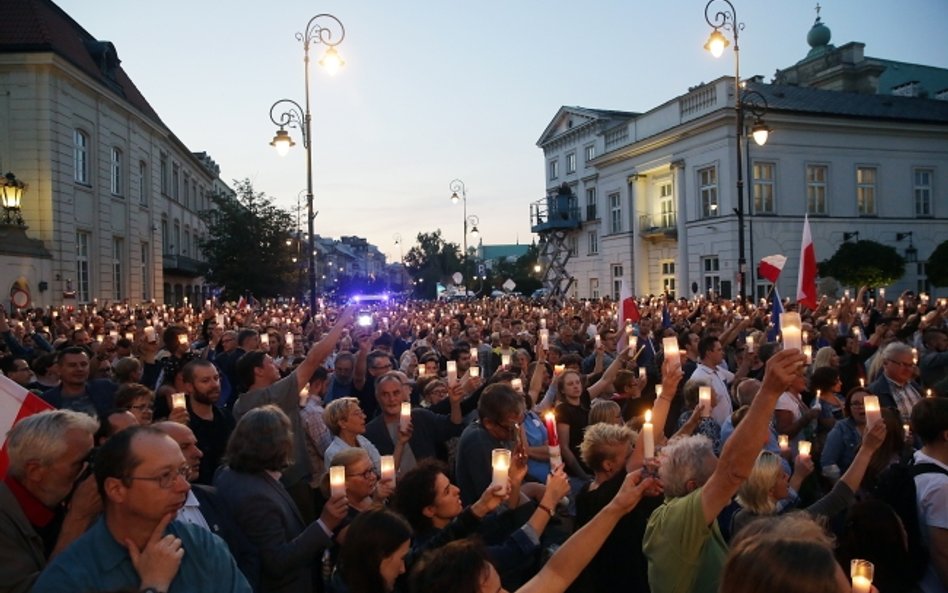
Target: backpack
{"type": "Point", "coordinates": [896, 487]}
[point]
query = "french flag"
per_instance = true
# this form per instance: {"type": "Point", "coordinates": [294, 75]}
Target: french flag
{"type": "Point", "coordinates": [806, 281]}
{"type": "Point", "coordinates": [16, 403]}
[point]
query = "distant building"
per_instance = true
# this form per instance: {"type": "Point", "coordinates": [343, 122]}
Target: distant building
{"type": "Point", "coordinates": [859, 144]}
{"type": "Point", "coordinates": [113, 195]}
{"type": "Point", "coordinates": [491, 255]}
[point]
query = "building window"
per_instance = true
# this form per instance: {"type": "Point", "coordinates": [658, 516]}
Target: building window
{"type": "Point", "coordinates": [592, 240]}
{"type": "Point", "coordinates": [616, 281]}
{"type": "Point", "coordinates": [571, 163]}
{"type": "Point", "coordinates": [164, 175]}
{"type": "Point", "coordinates": [816, 189]}
{"type": "Point", "coordinates": [554, 169]}
{"type": "Point", "coordinates": [194, 195]}
{"type": "Point", "coordinates": [142, 183]}
{"type": "Point", "coordinates": [80, 156]}
{"type": "Point", "coordinates": [187, 191]}
{"type": "Point", "coordinates": [590, 154]}
{"type": "Point", "coordinates": [118, 248]}
{"type": "Point", "coordinates": [923, 191]}
{"type": "Point", "coordinates": [590, 203]}
{"type": "Point", "coordinates": [165, 240]}
{"type": "Point", "coordinates": [615, 213]}
{"type": "Point", "coordinates": [176, 246]}
{"type": "Point", "coordinates": [146, 269]}
{"type": "Point", "coordinates": [82, 266]}
{"type": "Point", "coordinates": [764, 176]}
{"type": "Point", "coordinates": [573, 243]}
{"type": "Point", "coordinates": [712, 275]}
{"type": "Point", "coordinates": [594, 288]}
{"type": "Point", "coordinates": [175, 182]}
{"type": "Point", "coordinates": [708, 190]}
{"type": "Point", "coordinates": [668, 278]}
{"type": "Point", "coordinates": [116, 172]}
{"type": "Point", "coordinates": [667, 205]}
{"type": "Point", "coordinates": [922, 284]}
{"type": "Point", "coordinates": [866, 191]}
{"type": "Point", "coordinates": [187, 242]}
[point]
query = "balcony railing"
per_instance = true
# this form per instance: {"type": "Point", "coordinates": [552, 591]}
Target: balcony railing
{"type": "Point", "coordinates": [665, 224]}
{"type": "Point", "coordinates": [181, 265]}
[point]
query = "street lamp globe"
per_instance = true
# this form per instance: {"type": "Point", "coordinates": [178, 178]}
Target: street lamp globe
{"type": "Point", "coordinates": [455, 198]}
{"type": "Point", "coordinates": [760, 131]}
{"type": "Point", "coordinates": [282, 142]}
{"type": "Point", "coordinates": [717, 43]}
{"type": "Point", "coordinates": [332, 61]}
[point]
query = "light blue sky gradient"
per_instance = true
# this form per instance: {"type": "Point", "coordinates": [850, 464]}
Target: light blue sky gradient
{"type": "Point", "coordinates": [437, 90]}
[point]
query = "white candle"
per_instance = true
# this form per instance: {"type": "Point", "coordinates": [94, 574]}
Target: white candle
{"type": "Point", "coordinates": [129, 336]}
{"type": "Point", "coordinates": [404, 419]}
{"type": "Point", "coordinates": [641, 372]}
{"type": "Point", "coordinates": [783, 441]}
{"type": "Point", "coordinates": [542, 323]}
{"type": "Point", "coordinates": [648, 435]}
{"type": "Point", "coordinates": [808, 352]}
{"type": "Point", "coordinates": [422, 369]}
{"type": "Point", "coordinates": [387, 463]}
{"type": "Point", "coordinates": [882, 293]}
{"type": "Point", "coordinates": [749, 340]}
{"type": "Point", "coordinates": [289, 339]}
{"type": "Point", "coordinates": [545, 339]}
{"type": "Point", "coordinates": [265, 340]}
{"type": "Point", "coordinates": [861, 572]}
{"type": "Point", "coordinates": [704, 398]}
{"type": "Point", "coordinates": [517, 384]}
{"type": "Point", "coordinates": [873, 412]}
{"type": "Point", "coordinates": [452, 372]}
{"type": "Point", "coordinates": [861, 585]}
{"type": "Point", "coordinates": [670, 347]}
{"type": "Point", "coordinates": [474, 372]}
{"type": "Point", "coordinates": [558, 369]}
{"type": "Point", "coordinates": [790, 329]}
{"type": "Point", "coordinates": [337, 480]}
{"type": "Point", "coordinates": [658, 390]}
{"type": "Point", "coordinates": [598, 341]}
{"type": "Point", "coordinates": [803, 448]}
{"type": "Point", "coordinates": [505, 360]}
{"type": "Point", "coordinates": [474, 355]}
{"type": "Point", "coordinates": [182, 339]}
{"type": "Point", "coordinates": [178, 400]}
{"type": "Point", "coordinates": [633, 344]}
{"type": "Point", "coordinates": [500, 462]}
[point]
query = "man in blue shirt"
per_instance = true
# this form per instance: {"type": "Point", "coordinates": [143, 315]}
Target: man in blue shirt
{"type": "Point", "coordinates": [142, 479]}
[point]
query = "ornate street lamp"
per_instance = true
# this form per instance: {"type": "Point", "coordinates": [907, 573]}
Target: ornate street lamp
{"type": "Point", "coordinates": [458, 186]}
{"type": "Point", "coordinates": [11, 193]}
{"type": "Point", "coordinates": [327, 30]}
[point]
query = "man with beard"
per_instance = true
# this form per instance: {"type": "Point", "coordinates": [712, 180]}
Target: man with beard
{"type": "Point", "coordinates": [211, 425]}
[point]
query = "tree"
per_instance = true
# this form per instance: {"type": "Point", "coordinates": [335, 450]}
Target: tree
{"type": "Point", "coordinates": [520, 271]}
{"type": "Point", "coordinates": [864, 263]}
{"type": "Point", "coordinates": [937, 267]}
{"type": "Point", "coordinates": [431, 261]}
{"type": "Point", "coordinates": [247, 246]}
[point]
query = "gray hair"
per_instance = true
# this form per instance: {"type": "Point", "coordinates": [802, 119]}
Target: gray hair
{"type": "Point", "coordinates": [684, 459]}
{"type": "Point", "coordinates": [895, 348]}
{"type": "Point", "coordinates": [388, 377]}
{"type": "Point", "coordinates": [337, 411]}
{"type": "Point", "coordinates": [40, 437]}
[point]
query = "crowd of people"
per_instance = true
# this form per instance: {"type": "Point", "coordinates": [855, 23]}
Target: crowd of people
{"type": "Point", "coordinates": [477, 446]}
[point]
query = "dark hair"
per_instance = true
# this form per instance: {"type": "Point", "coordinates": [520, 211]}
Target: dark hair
{"type": "Point", "coordinates": [187, 373]}
{"type": "Point", "coordinates": [170, 337]}
{"type": "Point", "coordinates": [824, 379]}
{"type": "Point", "coordinates": [874, 532]}
{"type": "Point", "coordinates": [320, 374]}
{"type": "Point", "coordinates": [848, 402]}
{"type": "Point", "coordinates": [777, 566]}
{"type": "Point", "coordinates": [129, 392]}
{"type": "Point", "coordinates": [706, 344]}
{"type": "Point", "coordinates": [71, 350]}
{"type": "Point", "coordinates": [571, 359]}
{"type": "Point", "coordinates": [115, 459]}
{"type": "Point", "coordinates": [7, 365]}
{"type": "Point", "coordinates": [767, 350]}
{"type": "Point", "coordinates": [457, 567]}
{"type": "Point", "coordinates": [416, 491]}
{"type": "Point", "coordinates": [42, 363]}
{"type": "Point", "coordinates": [499, 401]}
{"type": "Point", "coordinates": [261, 441]}
{"type": "Point", "coordinates": [373, 536]}
{"type": "Point", "coordinates": [930, 418]}
{"type": "Point", "coordinates": [244, 334]}
{"type": "Point", "coordinates": [246, 365]}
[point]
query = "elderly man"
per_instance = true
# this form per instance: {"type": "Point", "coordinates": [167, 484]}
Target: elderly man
{"type": "Point", "coordinates": [47, 452]}
{"type": "Point", "coordinates": [341, 385]}
{"type": "Point", "coordinates": [76, 391]}
{"type": "Point", "coordinates": [895, 386]}
{"type": "Point", "coordinates": [682, 542]}
{"type": "Point", "coordinates": [142, 477]}
{"type": "Point", "coordinates": [429, 430]}
{"type": "Point", "coordinates": [375, 364]}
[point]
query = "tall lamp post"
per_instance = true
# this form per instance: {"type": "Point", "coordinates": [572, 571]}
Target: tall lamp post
{"type": "Point", "coordinates": [458, 186]}
{"type": "Point", "coordinates": [327, 30]}
{"type": "Point", "coordinates": [726, 20]}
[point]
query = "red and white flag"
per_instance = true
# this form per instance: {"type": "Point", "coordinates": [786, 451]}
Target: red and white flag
{"type": "Point", "coordinates": [16, 403]}
{"type": "Point", "coordinates": [806, 281]}
{"type": "Point", "coordinates": [771, 266]}
{"type": "Point", "coordinates": [628, 308]}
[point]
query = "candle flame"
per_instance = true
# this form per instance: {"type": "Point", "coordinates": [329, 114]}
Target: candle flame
{"type": "Point", "coordinates": [648, 416]}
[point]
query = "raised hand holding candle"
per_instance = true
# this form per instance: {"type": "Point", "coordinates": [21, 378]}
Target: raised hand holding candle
{"type": "Point", "coordinates": [704, 398]}
{"type": "Point", "coordinates": [404, 419]}
{"type": "Point", "coordinates": [641, 372]}
{"type": "Point", "coordinates": [558, 369]}
{"type": "Point", "coordinates": [545, 339]}
{"type": "Point", "coordinates": [803, 448]}
{"type": "Point", "coordinates": [648, 435]}
{"type": "Point", "coordinates": [790, 329]}
{"type": "Point", "coordinates": [387, 464]}
{"type": "Point", "coordinates": [542, 323]}
{"type": "Point", "coordinates": [265, 340]}
{"type": "Point", "coordinates": [670, 347]}
{"type": "Point", "coordinates": [337, 480]}
{"type": "Point", "coordinates": [517, 384]}
{"type": "Point", "coordinates": [474, 372]}
{"type": "Point", "coordinates": [598, 341]}
{"type": "Point", "coordinates": [783, 441]}
{"type": "Point", "coordinates": [808, 352]}
{"type": "Point", "coordinates": [289, 340]}
{"type": "Point", "coordinates": [178, 400]}
{"type": "Point", "coordinates": [500, 462]}
{"type": "Point", "coordinates": [873, 412]}
{"type": "Point", "coordinates": [452, 372]}
{"type": "Point", "coordinates": [552, 441]}
{"type": "Point", "coordinates": [505, 360]}
{"type": "Point", "coordinates": [861, 572]}
{"type": "Point", "coordinates": [749, 340]}
{"type": "Point", "coordinates": [633, 344]}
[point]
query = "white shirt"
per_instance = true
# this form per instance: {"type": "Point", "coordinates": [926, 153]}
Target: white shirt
{"type": "Point", "coordinates": [191, 512]}
{"type": "Point", "coordinates": [932, 492]}
{"type": "Point", "coordinates": [718, 378]}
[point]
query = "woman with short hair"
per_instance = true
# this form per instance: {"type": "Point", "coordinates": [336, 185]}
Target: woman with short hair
{"type": "Point", "coordinates": [346, 421]}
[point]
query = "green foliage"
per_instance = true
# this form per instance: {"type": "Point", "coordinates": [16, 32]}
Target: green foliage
{"type": "Point", "coordinates": [431, 261]}
{"type": "Point", "coordinates": [937, 268]}
{"type": "Point", "coordinates": [520, 271]}
{"type": "Point", "coordinates": [247, 249]}
{"type": "Point", "coordinates": [864, 263]}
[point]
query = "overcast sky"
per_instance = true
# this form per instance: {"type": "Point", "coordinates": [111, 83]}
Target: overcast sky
{"type": "Point", "coordinates": [438, 90]}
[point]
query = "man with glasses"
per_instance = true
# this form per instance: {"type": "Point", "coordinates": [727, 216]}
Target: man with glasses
{"type": "Point", "coordinates": [142, 476]}
{"type": "Point", "coordinates": [895, 386]}
{"type": "Point", "coordinates": [17, 369]}
{"type": "Point", "coordinates": [378, 362]}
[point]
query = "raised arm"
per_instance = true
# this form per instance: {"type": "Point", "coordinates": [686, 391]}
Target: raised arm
{"type": "Point", "coordinates": [323, 348]}
{"type": "Point", "coordinates": [604, 386]}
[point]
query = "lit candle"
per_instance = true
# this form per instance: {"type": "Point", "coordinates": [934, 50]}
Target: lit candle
{"type": "Point", "coordinates": [861, 572]}
{"type": "Point", "coordinates": [633, 344]}
{"type": "Point", "coordinates": [670, 348]}
{"type": "Point", "coordinates": [749, 340]}
{"type": "Point", "coordinates": [803, 448]}
{"type": "Point", "coordinates": [790, 329]}
{"type": "Point", "coordinates": [641, 372]}
{"type": "Point", "coordinates": [114, 334]}
{"type": "Point", "coordinates": [658, 390]}
{"type": "Point", "coordinates": [99, 338]}
{"type": "Point", "coordinates": [808, 352]}
{"type": "Point", "coordinates": [846, 294]}
{"type": "Point", "coordinates": [648, 435]}
{"type": "Point", "coordinates": [474, 372]}
{"type": "Point", "coordinates": [77, 327]}
{"type": "Point", "coordinates": [517, 384]}
{"type": "Point", "coordinates": [422, 369]}
{"type": "Point", "coordinates": [862, 382]}
{"type": "Point", "coordinates": [387, 463]}
{"type": "Point", "coordinates": [289, 340]}
{"type": "Point", "coordinates": [882, 294]}
{"type": "Point", "coordinates": [505, 360]}
{"type": "Point", "coordinates": [337, 480]}
{"type": "Point", "coordinates": [265, 340]}
{"type": "Point", "coordinates": [545, 339]}
{"type": "Point", "coordinates": [542, 323]}
{"type": "Point", "coordinates": [551, 436]}
{"type": "Point", "coordinates": [704, 398]}
{"type": "Point", "coordinates": [906, 428]}
{"type": "Point", "coordinates": [873, 412]}
{"type": "Point", "coordinates": [183, 339]}
{"type": "Point", "coordinates": [452, 372]}
{"type": "Point", "coordinates": [928, 392]}
{"type": "Point", "coordinates": [598, 342]}
{"type": "Point", "coordinates": [783, 441]}
{"type": "Point", "coordinates": [178, 400]}
{"type": "Point", "coordinates": [558, 369]}
{"type": "Point", "coordinates": [500, 462]}
{"type": "Point", "coordinates": [914, 355]}
{"type": "Point", "coordinates": [404, 419]}
{"type": "Point", "coordinates": [474, 354]}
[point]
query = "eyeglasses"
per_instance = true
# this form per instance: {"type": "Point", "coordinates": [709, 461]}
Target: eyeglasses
{"type": "Point", "coordinates": [140, 407]}
{"type": "Point", "coordinates": [166, 479]}
{"type": "Point", "coordinates": [367, 474]}
{"type": "Point", "coordinates": [382, 367]}
{"type": "Point", "coordinates": [904, 365]}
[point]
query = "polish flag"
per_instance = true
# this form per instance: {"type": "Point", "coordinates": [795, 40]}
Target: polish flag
{"type": "Point", "coordinates": [771, 266]}
{"type": "Point", "coordinates": [16, 403]}
{"type": "Point", "coordinates": [628, 308]}
{"type": "Point", "coordinates": [806, 281]}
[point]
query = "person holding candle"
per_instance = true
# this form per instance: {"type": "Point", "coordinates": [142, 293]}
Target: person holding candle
{"type": "Point", "coordinates": [695, 416]}
{"type": "Point", "coordinates": [896, 385]}
{"type": "Point", "coordinates": [365, 489]}
{"type": "Point", "coordinates": [844, 439]}
{"type": "Point", "coordinates": [249, 486]}
{"type": "Point", "coordinates": [714, 372]}
{"type": "Point", "coordinates": [793, 417]}
{"type": "Point", "coordinates": [346, 421]}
